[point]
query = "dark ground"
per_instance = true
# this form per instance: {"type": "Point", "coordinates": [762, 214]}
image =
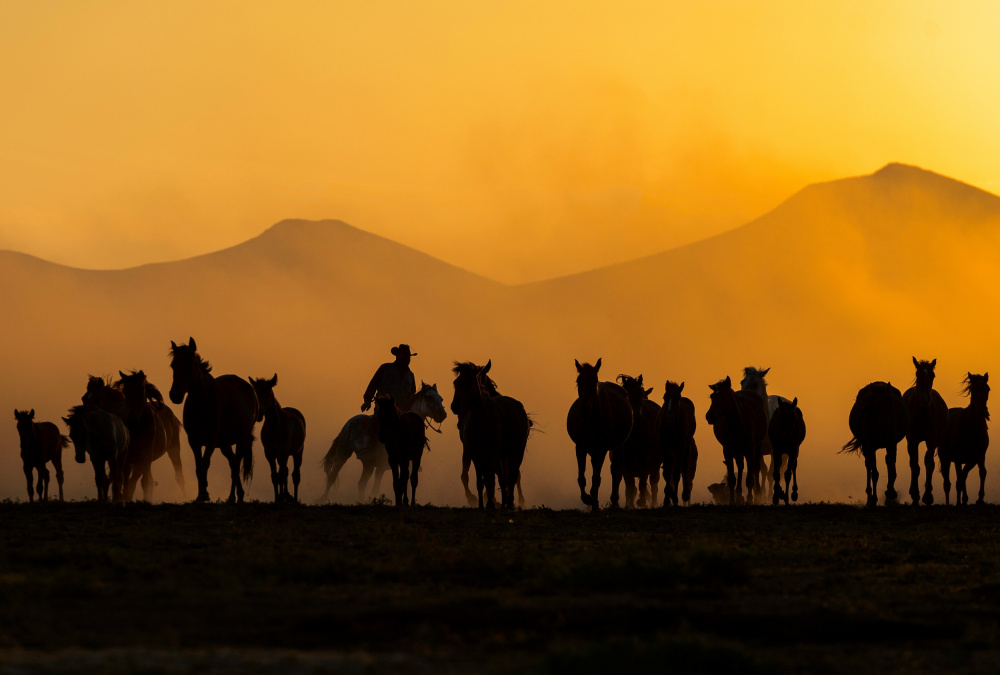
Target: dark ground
{"type": "Point", "coordinates": [263, 588]}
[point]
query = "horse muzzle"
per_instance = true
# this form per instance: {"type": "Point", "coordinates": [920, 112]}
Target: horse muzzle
{"type": "Point", "coordinates": [81, 457]}
{"type": "Point", "coordinates": [176, 397]}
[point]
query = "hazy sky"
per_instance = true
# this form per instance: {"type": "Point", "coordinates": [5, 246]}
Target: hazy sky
{"type": "Point", "coordinates": [517, 139]}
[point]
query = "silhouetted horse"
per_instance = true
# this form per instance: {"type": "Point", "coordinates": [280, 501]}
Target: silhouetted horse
{"type": "Point", "coordinates": [599, 422]}
{"type": "Point", "coordinates": [641, 458]}
{"type": "Point", "coordinates": [490, 387]}
{"type": "Point", "coordinates": [878, 420]}
{"type": "Point", "coordinates": [109, 397]}
{"type": "Point", "coordinates": [966, 439]}
{"type": "Point", "coordinates": [359, 436]}
{"type": "Point", "coordinates": [786, 430]}
{"type": "Point", "coordinates": [104, 437]}
{"type": "Point", "coordinates": [283, 435]}
{"type": "Point", "coordinates": [675, 427]}
{"type": "Point", "coordinates": [405, 438]}
{"type": "Point", "coordinates": [928, 424]}
{"type": "Point", "coordinates": [41, 443]}
{"type": "Point", "coordinates": [153, 429]}
{"type": "Point", "coordinates": [220, 412]}
{"type": "Point", "coordinates": [739, 421]}
{"type": "Point", "coordinates": [494, 430]}
{"type": "Point", "coordinates": [753, 380]}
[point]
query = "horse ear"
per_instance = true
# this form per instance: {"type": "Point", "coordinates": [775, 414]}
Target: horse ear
{"type": "Point", "coordinates": [579, 368]}
{"type": "Point", "coordinates": [486, 368]}
{"type": "Point", "coordinates": [795, 401]}
{"type": "Point", "coordinates": [729, 382]}
{"type": "Point", "coordinates": [31, 415]}
{"type": "Point", "coordinates": [141, 374]}
{"type": "Point", "coordinates": [66, 421]}
{"type": "Point", "coordinates": [765, 372]}
{"type": "Point", "coordinates": [681, 389]}
{"type": "Point", "coordinates": [986, 377]}
{"type": "Point", "coordinates": [191, 344]}
{"type": "Point", "coordinates": [597, 366]}
{"type": "Point", "coordinates": [15, 413]}
{"type": "Point", "coordinates": [914, 360]}
{"type": "Point", "coordinates": [649, 391]}
{"type": "Point", "coordinates": [434, 386]}
{"type": "Point", "coordinates": [933, 363]}
{"type": "Point", "coordinates": [121, 374]}
{"type": "Point", "coordinates": [274, 381]}
{"type": "Point", "coordinates": [639, 379]}
{"type": "Point", "coordinates": [173, 345]}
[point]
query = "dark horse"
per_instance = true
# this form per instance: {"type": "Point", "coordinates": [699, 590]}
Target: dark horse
{"type": "Point", "coordinates": [153, 429]}
{"type": "Point", "coordinates": [878, 420]}
{"type": "Point", "coordinates": [967, 439]}
{"type": "Point", "coordinates": [641, 458]}
{"type": "Point", "coordinates": [739, 420]}
{"type": "Point", "coordinates": [41, 443]}
{"type": "Point", "coordinates": [928, 424]}
{"type": "Point", "coordinates": [220, 412]}
{"type": "Point", "coordinates": [283, 435]}
{"type": "Point", "coordinates": [110, 398]}
{"type": "Point", "coordinates": [405, 438]}
{"type": "Point", "coordinates": [675, 427]}
{"type": "Point", "coordinates": [105, 438]}
{"type": "Point", "coordinates": [494, 430]}
{"type": "Point", "coordinates": [787, 430]}
{"type": "Point", "coordinates": [599, 422]}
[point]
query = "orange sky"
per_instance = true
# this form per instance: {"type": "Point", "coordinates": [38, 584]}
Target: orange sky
{"type": "Point", "coordinates": [518, 140]}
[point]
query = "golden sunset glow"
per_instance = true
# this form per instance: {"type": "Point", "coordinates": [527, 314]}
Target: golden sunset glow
{"type": "Point", "coordinates": [515, 140]}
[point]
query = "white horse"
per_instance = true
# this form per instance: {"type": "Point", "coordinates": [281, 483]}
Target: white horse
{"type": "Point", "coordinates": [360, 437]}
{"type": "Point", "coordinates": [753, 380]}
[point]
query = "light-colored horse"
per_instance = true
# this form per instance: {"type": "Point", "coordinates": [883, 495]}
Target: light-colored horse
{"type": "Point", "coordinates": [753, 380]}
{"type": "Point", "coordinates": [359, 437]}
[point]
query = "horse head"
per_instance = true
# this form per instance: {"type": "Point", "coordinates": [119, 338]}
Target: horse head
{"type": "Point", "coordinates": [722, 397]}
{"type": "Point", "coordinates": [672, 396]}
{"type": "Point", "coordinates": [468, 384]}
{"type": "Point", "coordinates": [78, 433]}
{"type": "Point", "coordinates": [265, 394]}
{"type": "Point", "coordinates": [25, 425]}
{"type": "Point", "coordinates": [188, 368]}
{"type": "Point", "coordinates": [753, 380]}
{"type": "Point", "coordinates": [925, 373]}
{"type": "Point", "coordinates": [428, 403]}
{"type": "Point", "coordinates": [634, 389]}
{"type": "Point", "coordinates": [133, 386]}
{"type": "Point", "coordinates": [978, 389]}
{"type": "Point", "coordinates": [587, 379]}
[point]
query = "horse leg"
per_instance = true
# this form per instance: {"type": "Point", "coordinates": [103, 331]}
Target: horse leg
{"type": "Point", "coordinates": [201, 463]}
{"type": "Point", "coordinates": [57, 464]}
{"type": "Point", "coordinates": [283, 476]}
{"type": "Point", "coordinates": [100, 479]}
{"type": "Point", "coordinates": [913, 450]}
{"type": "Point", "coordinates": [778, 494]}
{"type": "Point", "coordinates": [731, 480]}
{"type": "Point", "coordinates": [43, 481]}
{"type": "Point", "coordinates": [234, 472]}
{"type": "Point", "coordinates": [596, 464]}
{"type": "Point", "coordinates": [961, 489]}
{"type": "Point", "coordinates": [739, 481]}
{"type": "Point", "coordinates": [581, 479]}
{"type": "Point", "coordinates": [791, 472]}
{"type": "Point", "coordinates": [381, 466]}
{"type": "Point", "coordinates": [147, 483]}
{"type": "Point", "coordinates": [616, 475]}
{"type": "Point", "coordinates": [174, 453]}
{"type": "Point", "coordinates": [520, 495]}
{"type": "Point", "coordinates": [946, 481]}
{"type": "Point", "coordinates": [466, 463]}
{"type": "Point", "coordinates": [296, 471]}
{"type": "Point", "coordinates": [272, 462]}
{"type": "Point", "coordinates": [690, 466]}
{"type": "Point", "coordinates": [367, 469]}
{"type": "Point", "coordinates": [872, 466]}
{"type": "Point", "coordinates": [982, 482]}
{"type": "Point", "coordinates": [890, 467]}
{"type": "Point", "coordinates": [929, 470]}
{"type": "Point", "coordinates": [395, 483]}
{"type": "Point", "coordinates": [404, 477]}
{"type": "Point", "coordinates": [480, 484]}
{"type": "Point", "coordinates": [31, 482]}
{"type": "Point", "coordinates": [413, 481]}
{"type": "Point", "coordinates": [654, 488]}
{"type": "Point", "coordinates": [630, 491]}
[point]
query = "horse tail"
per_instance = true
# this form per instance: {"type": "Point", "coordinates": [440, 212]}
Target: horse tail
{"type": "Point", "coordinates": [247, 461]}
{"type": "Point", "coordinates": [853, 446]}
{"type": "Point", "coordinates": [339, 449]}
{"type": "Point", "coordinates": [63, 441]}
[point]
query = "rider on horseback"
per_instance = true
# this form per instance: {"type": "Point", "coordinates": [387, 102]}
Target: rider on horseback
{"type": "Point", "coordinates": [394, 378]}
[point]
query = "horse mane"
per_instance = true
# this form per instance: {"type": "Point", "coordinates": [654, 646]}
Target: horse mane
{"type": "Point", "coordinates": [470, 368]}
{"type": "Point", "coordinates": [205, 366]}
{"type": "Point", "coordinates": [757, 372]}
{"type": "Point", "coordinates": [967, 389]}
{"type": "Point", "coordinates": [105, 380]}
{"type": "Point", "coordinates": [721, 383]}
{"type": "Point", "coordinates": [75, 412]}
{"type": "Point", "coordinates": [627, 380]}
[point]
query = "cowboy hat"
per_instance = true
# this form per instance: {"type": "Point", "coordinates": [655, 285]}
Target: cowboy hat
{"type": "Point", "coordinates": [401, 350]}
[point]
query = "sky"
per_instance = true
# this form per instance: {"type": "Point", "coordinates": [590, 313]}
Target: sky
{"type": "Point", "coordinates": [520, 140]}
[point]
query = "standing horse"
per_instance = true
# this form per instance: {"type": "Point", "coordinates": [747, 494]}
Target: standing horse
{"type": "Point", "coordinates": [753, 380]}
{"type": "Point", "coordinates": [928, 424]}
{"type": "Point", "coordinates": [359, 437]}
{"type": "Point", "coordinates": [675, 427]}
{"type": "Point", "coordinates": [786, 430]}
{"type": "Point", "coordinates": [283, 435]}
{"type": "Point", "coordinates": [599, 422]}
{"type": "Point", "coordinates": [739, 421]}
{"type": "Point", "coordinates": [405, 438]}
{"type": "Point", "coordinates": [154, 430]}
{"type": "Point", "coordinates": [966, 439]}
{"type": "Point", "coordinates": [108, 396]}
{"type": "Point", "coordinates": [878, 420]}
{"type": "Point", "coordinates": [219, 412]}
{"type": "Point", "coordinates": [105, 438]}
{"type": "Point", "coordinates": [494, 431]}
{"type": "Point", "coordinates": [41, 443]}
{"type": "Point", "coordinates": [641, 457]}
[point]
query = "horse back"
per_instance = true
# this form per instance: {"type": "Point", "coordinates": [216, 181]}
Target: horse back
{"type": "Point", "coordinates": [228, 415]}
{"type": "Point", "coordinates": [49, 441]}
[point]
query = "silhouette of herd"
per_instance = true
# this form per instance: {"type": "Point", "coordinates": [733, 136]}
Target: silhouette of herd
{"type": "Point", "coordinates": [124, 426]}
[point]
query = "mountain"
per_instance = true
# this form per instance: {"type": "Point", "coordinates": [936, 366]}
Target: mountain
{"type": "Point", "coordinates": [836, 287]}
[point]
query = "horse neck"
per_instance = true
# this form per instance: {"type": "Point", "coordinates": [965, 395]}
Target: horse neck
{"type": "Point", "coordinates": [203, 385]}
{"type": "Point", "coordinates": [273, 411]}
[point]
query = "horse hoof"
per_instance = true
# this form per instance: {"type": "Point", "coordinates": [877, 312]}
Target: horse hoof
{"type": "Point", "coordinates": [775, 499]}
{"type": "Point", "coordinates": [980, 502]}
{"type": "Point", "coordinates": [795, 497]}
{"type": "Point", "coordinates": [928, 499]}
{"type": "Point", "coordinates": [587, 499]}
{"type": "Point", "coordinates": [891, 494]}
{"type": "Point", "coordinates": [203, 497]}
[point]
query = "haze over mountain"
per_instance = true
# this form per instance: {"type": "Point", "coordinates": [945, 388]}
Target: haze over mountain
{"type": "Point", "coordinates": [836, 287]}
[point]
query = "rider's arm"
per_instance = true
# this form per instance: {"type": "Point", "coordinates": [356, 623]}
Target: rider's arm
{"type": "Point", "coordinates": [373, 385]}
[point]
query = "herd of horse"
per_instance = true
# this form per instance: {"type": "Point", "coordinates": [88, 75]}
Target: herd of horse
{"type": "Point", "coordinates": [124, 426]}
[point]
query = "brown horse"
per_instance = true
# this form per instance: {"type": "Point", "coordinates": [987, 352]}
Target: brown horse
{"type": "Point", "coordinates": [104, 437]}
{"type": "Point", "coordinates": [41, 443]}
{"type": "Point", "coordinates": [108, 396]}
{"type": "Point", "coordinates": [928, 424]}
{"type": "Point", "coordinates": [219, 412]}
{"type": "Point", "coordinates": [878, 420]}
{"type": "Point", "coordinates": [739, 421]}
{"type": "Point", "coordinates": [787, 430]}
{"type": "Point", "coordinates": [494, 430]}
{"type": "Point", "coordinates": [599, 422]}
{"type": "Point", "coordinates": [641, 458]}
{"type": "Point", "coordinates": [405, 438]}
{"type": "Point", "coordinates": [283, 435]}
{"type": "Point", "coordinates": [967, 439]}
{"type": "Point", "coordinates": [153, 429]}
{"type": "Point", "coordinates": [675, 427]}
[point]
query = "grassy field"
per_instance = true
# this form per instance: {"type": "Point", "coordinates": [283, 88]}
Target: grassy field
{"type": "Point", "coordinates": [264, 588]}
